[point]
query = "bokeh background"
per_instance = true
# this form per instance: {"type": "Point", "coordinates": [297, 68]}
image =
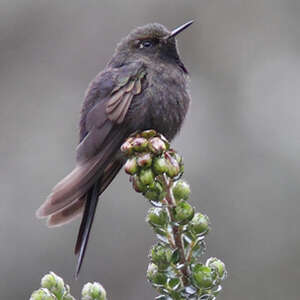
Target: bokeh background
{"type": "Point", "coordinates": [241, 141]}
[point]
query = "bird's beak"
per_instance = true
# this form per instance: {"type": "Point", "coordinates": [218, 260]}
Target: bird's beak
{"type": "Point", "coordinates": [179, 29]}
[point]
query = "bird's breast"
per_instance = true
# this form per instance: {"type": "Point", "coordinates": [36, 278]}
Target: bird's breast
{"type": "Point", "coordinates": [168, 99]}
{"type": "Point", "coordinates": [163, 103]}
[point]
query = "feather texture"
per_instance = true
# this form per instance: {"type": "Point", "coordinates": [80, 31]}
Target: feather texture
{"type": "Point", "coordinates": [67, 214]}
{"type": "Point", "coordinates": [90, 207]}
{"type": "Point", "coordinates": [118, 104]}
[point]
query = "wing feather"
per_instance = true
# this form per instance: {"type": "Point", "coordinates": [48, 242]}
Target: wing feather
{"type": "Point", "coordinates": [120, 109]}
{"type": "Point", "coordinates": [106, 105]}
{"type": "Point", "coordinates": [123, 110]}
{"type": "Point", "coordinates": [115, 98]}
{"type": "Point", "coordinates": [137, 87]}
{"type": "Point", "coordinates": [130, 86]}
{"type": "Point", "coordinates": [118, 105]}
{"type": "Point", "coordinates": [100, 139]}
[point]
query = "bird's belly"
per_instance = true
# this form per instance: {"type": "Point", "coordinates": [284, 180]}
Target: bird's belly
{"type": "Point", "coordinates": [166, 119]}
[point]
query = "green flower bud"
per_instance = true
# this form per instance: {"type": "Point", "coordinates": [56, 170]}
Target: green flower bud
{"type": "Point", "coordinates": [181, 190]}
{"type": "Point", "coordinates": [131, 166]}
{"type": "Point", "coordinates": [173, 168]}
{"type": "Point", "coordinates": [93, 291]}
{"type": "Point", "coordinates": [127, 146]}
{"type": "Point", "coordinates": [68, 297]}
{"type": "Point", "coordinates": [146, 176]}
{"type": "Point", "coordinates": [139, 144]}
{"type": "Point", "coordinates": [218, 266]}
{"type": "Point", "coordinates": [173, 171]}
{"type": "Point", "coordinates": [154, 276]}
{"type": "Point", "coordinates": [161, 255]}
{"type": "Point", "coordinates": [155, 192]}
{"type": "Point", "coordinates": [144, 160]}
{"type": "Point", "coordinates": [183, 212]}
{"type": "Point", "coordinates": [159, 166]}
{"type": "Point", "coordinates": [156, 145]}
{"type": "Point", "coordinates": [137, 185]}
{"type": "Point", "coordinates": [202, 276]}
{"type": "Point", "coordinates": [151, 195]}
{"type": "Point", "coordinates": [54, 284]}
{"type": "Point", "coordinates": [148, 133]}
{"type": "Point", "coordinates": [199, 224]}
{"type": "Point", "coordinates": [157, 217]}
{"type": "Point", "coordinates": [42, 294]}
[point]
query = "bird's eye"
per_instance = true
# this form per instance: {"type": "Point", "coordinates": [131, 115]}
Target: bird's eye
{"type": "Point", "coordinates": [145, 44]}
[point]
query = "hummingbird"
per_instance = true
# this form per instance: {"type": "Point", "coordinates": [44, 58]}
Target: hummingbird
{"type": "Point", "coordinates": [143, 86]}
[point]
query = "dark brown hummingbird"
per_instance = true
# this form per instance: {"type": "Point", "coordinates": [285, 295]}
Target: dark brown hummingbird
{"type": "Point", "coordinates": [144, 86]}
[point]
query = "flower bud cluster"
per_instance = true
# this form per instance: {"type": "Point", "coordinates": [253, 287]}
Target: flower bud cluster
{"type": "Point", "coordinates": [149, 156]}
{"type": "Point", "coordinates": [93, 291]}
{"type": "Point", "coordinates": [54, 288]}
{"type": "Point", "coordinates": [175, 270]}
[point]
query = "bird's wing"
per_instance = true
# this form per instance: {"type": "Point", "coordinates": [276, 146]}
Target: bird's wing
{"type": "Point", "coordinates": [104, 120]}
{"type": "Point", "coordinates": [104, 132]}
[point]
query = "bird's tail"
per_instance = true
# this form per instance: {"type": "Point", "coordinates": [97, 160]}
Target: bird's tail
{"type": "Point", "coordinates": [67, 194]}
{"type": "Point", "coordinates": [79, 191]}
{"type": "Point", "coordinates": [91, 202]}
{"type": "Point", "coordinates": [86, 223]}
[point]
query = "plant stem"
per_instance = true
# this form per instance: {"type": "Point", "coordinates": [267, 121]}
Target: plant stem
{"type": "Point", "coordinates": [190, 252]}
{"type": "Point", "coordinates": [176, 229]}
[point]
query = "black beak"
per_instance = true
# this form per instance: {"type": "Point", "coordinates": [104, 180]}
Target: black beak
{"type": "Point", "coordinates": [179, 29]}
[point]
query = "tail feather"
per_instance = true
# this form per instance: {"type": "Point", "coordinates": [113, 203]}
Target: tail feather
{"type": "Point", "coordinates": [67, 214]}
{"type": "Point", "coordinates": [90, 207]}
{"type": "Point", "coordinates": [72, 187]}
{"type": "Point", "coordinates": [79, 181]}
{"type": "Point", "coordinates": [75, 209]}
{"type": "Point", "coordinates": [79, 191]}
{"type": "Point", "coordinates": [86, 223]}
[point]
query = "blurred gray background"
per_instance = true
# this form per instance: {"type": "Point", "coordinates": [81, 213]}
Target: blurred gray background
{"type": "Point", "coordinates": [241, 141]}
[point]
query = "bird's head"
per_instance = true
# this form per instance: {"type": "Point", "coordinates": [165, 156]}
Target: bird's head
{"type": "Point", "coordinates": [151, 42]}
